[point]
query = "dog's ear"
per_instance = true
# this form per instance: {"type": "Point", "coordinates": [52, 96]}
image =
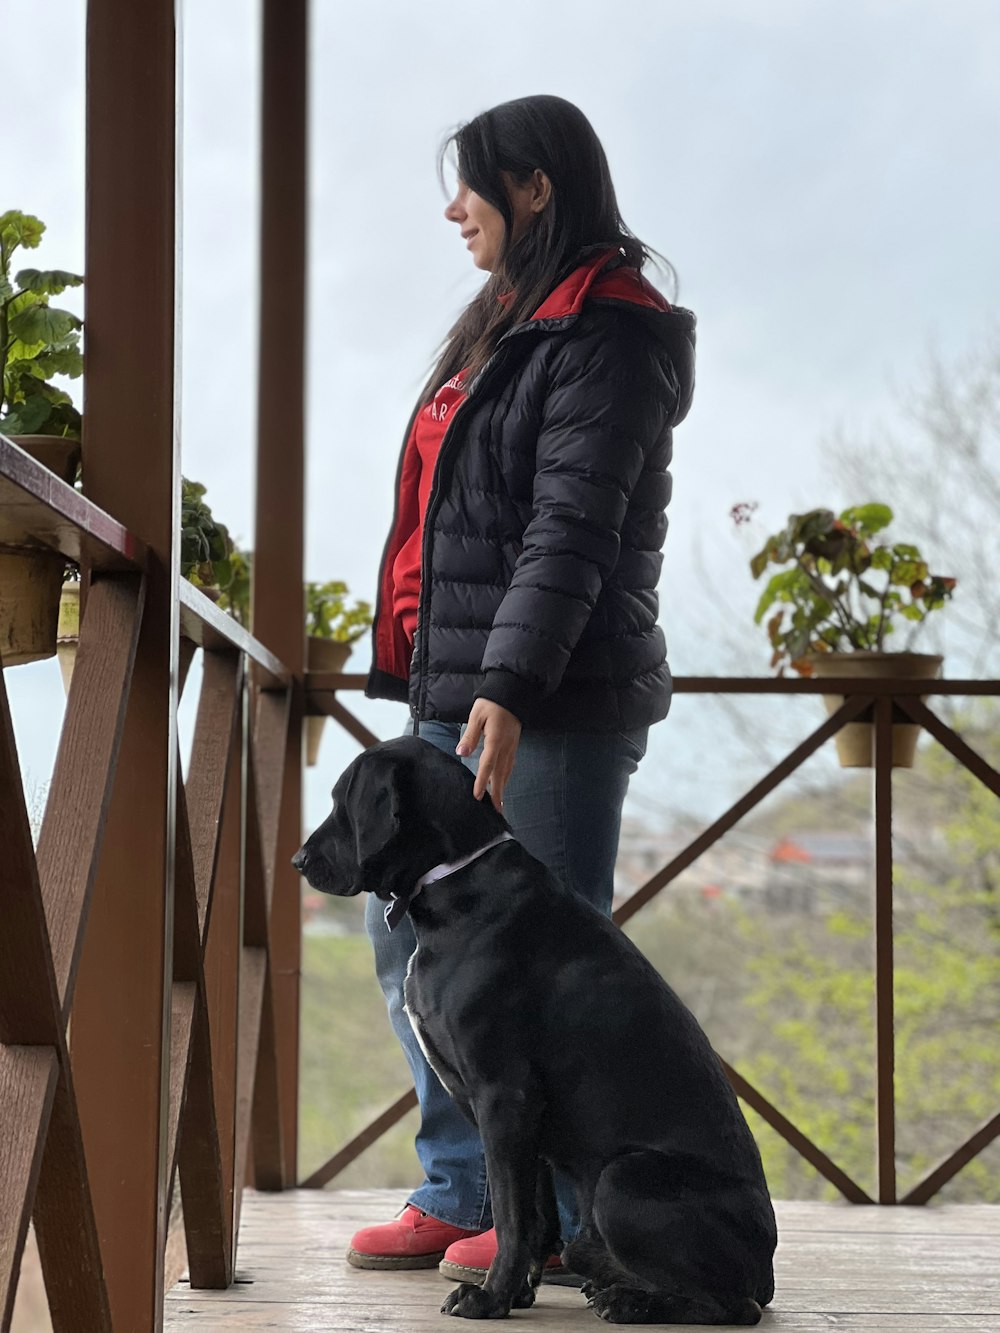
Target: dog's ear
{"type": "Point", "coordinates": [376, 810]}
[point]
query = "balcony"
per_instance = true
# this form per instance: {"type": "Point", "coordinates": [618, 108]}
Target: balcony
{"type": "Point", "coordinates": [150, 976]}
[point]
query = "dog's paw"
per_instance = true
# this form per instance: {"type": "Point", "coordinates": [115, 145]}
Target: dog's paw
{"type": "Point", "coordinates": [471, 1302]}
{"type": "Point", "coordinates": [619, 1304]}
{"type": "Point", "coordinates": [525, 1298]}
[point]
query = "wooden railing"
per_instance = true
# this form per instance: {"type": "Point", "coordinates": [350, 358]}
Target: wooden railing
{"type": "Point", "coordinates": [219, 1104]}
{"type": "Point", "coordinates": [880, 702]}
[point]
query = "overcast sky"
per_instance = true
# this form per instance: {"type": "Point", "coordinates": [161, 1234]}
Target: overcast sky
{"type": "Point", "coordinates": [821, 174]}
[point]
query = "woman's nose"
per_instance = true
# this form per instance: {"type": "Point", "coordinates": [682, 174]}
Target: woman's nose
{"type": "Point", "coordinates": [455, 212]}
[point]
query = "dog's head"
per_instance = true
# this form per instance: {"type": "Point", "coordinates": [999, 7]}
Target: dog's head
{"type": "Point", "coordinates": [401, 808]}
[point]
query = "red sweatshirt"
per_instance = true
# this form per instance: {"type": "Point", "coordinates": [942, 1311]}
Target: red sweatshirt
{"type": "Point", "coordinates": [425, 440]}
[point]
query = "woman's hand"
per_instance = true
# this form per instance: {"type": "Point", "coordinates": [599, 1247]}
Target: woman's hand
{"type": "Point", "coordinates": [501, 733]}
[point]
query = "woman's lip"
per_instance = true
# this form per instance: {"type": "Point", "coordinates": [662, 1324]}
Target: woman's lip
{"type": "Point", "coordinates": [471, 236]}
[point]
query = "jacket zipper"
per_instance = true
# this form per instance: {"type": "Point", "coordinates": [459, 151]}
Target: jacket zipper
{"type": "Point", "coordinates": [434, 500]}
{"type": "Point", "coordinates": [433, 505]}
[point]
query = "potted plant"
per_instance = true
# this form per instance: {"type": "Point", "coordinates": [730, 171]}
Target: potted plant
{"type": "Point", "coordinates": [37, 342]}
{"type": "Point", "coordinates": [839, 597]}
{"type": "Point", "coordinates": [332, 626]}
{"type": "Point", "coordinates": [206, 547]}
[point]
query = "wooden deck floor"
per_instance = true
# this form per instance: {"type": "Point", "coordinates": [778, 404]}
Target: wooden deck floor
{"type": "Point", "coordinates": [887, 1270]}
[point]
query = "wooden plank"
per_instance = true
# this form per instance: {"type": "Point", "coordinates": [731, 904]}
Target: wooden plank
{"type": "Point", "coordinates": [848, 686]}
{"type": "Point", "coordinates": [253, 971]}
{"type": "Point", "coordinates": [265, 1121]}
{"type": "Point", "coordinates": [187, 927]}
{"type": "Point", "coordinates": [953, 743]}
{"type": "Point", "coordinates": [954, 1162]}
{"type": "Point", "coordinates": [70, 841]}
{"type": "Point", "coordinates": [210, 770]}
{"type": "Point", "coordinates": [885, 1076]}
{"type": "Point", "coordinates": [844, 714]}
{"type": "Point", "coordinates": [353, 1149]}
{"type": "Point", "coordinates": [208, 627]}
{"type": "Point", "coordinates": [28, 1076]}
{"type": "Point", "coordinates": [794, 1136]}
{"type": "Point", "coordinates": [279, 529]}
{"type": "Point", "coordinates": [200, 1168]}
{"type": "Point", "coordinates": [223, 950]}
{"type": "Point", "coordinates": [37, 506]}
{"type": "Point", "coordinates": [269, 741]}
{"type": "Point", "coordinates": [184, 997]}
{"type": "Point", "coordinates": [65, 1226]}
{"type": "Point", "coordinates": [256, 903]}
{"type": "Point", "coordinates": [888, 1270]}
{"type": "Point", "coordinates": [321, 682]}
{"type": "Point", "coordinates": [28, 1004]}
{"type": "Point", "coordinates": [122, 1005]}
{"type": "Point", "coordinates": [327, 705]}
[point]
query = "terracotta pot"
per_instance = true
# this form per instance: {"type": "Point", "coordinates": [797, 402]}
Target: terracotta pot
{"type": "Point", "coordinates": [31, 576]}
{"type": "Point", "coordinates": [59, 453]}
{"type": "Point", "coordinates": [68, 630]}
{"type": "Point", "coordinates": [321, 655]}
{"type": "Point", "coordinates": [326, 654]}
{"type": "Point", "coordinates": [856, 741]}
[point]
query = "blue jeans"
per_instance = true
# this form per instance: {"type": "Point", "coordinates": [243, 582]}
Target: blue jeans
{"type": "Point", "coordinates": [564, 805]}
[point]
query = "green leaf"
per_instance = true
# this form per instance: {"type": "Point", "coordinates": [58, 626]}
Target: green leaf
{"type": "Point", "coordinates": [868, 519]}
{"type": "Point", "coordinates": [65, 360]}
{"type": "Point", "coordinates": [19, 229]}
{"type": "Point", "coordinates": [41, 323]}
{"type": "Point", "coordinates": [27, 418]}
{"type": "Point", "coordinates": [906, 572]}
{"type": "Point", "coordinates": [47, 282]}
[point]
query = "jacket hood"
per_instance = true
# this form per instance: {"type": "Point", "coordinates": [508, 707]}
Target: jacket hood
{"type": "Point", "coordinates": [604, 280]}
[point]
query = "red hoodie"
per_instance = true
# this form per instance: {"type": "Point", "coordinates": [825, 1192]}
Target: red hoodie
{"type": "Point", "coordinates": [401, 569]}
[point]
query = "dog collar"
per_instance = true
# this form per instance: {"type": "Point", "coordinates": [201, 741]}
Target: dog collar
{"type": "Point", "coordinates": [396, 909]}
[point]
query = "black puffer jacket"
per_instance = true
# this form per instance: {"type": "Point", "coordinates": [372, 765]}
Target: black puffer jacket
{"type": "Point", "coordinates": [543, 533]}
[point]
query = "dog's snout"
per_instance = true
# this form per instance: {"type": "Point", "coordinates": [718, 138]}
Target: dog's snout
{"type": "Point", "coordinates": [299, 860]}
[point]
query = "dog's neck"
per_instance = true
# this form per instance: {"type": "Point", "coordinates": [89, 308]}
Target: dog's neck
{"type": "Point", "coordinates": [397, 908]}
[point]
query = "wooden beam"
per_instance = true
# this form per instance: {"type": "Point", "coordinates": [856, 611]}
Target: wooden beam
{"type": "Point", "coordinates": [844, 714]}
{"type": "Point", "coordinates": [70, 841]}
{"type": "Point", "coordinates": [28, 1076]}
{"type": "Point", "coordinates": [278, 600]}
{"type": "Point", "coordinates": [122, 1010]}
{"type": "Point", "coordinates": [885, 1072]}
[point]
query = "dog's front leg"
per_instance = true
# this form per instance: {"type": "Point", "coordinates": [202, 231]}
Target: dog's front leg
{"type": "Point", "coordinates": [510, 1140]}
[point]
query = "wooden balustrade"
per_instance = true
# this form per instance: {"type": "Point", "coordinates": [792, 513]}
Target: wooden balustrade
{"type": "Point", "coordinates": [223, 1118]}
{"type": "Point", "coordinates": [882, 702]}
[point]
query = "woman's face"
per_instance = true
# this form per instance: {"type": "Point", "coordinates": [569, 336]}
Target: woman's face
{"type": "Point", "coordinates": [482, 225]}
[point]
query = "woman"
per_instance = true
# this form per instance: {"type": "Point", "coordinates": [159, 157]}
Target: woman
{"type": "Point", "coordinates": [517, 592]}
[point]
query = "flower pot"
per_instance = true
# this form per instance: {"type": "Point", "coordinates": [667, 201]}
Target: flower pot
{"type": "Point", "coordinates": [68, 630]}
{"type": "Point", "coordinates": [856, 741]}
{"type": "Point", "coordinates": [31, 576]}
{"type": "Point", "coordinates": [59, 453]}
{"type": "Point", "coordinates": [326, 655]}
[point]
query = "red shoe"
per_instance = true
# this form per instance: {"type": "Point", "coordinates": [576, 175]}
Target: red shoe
{"type": "Point", "coordinates": [469, 1260]}
{"type": "Point", "coordinates": [413, 1240]}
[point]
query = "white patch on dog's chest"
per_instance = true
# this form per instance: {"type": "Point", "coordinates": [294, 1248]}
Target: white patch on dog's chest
{"type": "Point", "coordinates": [418, 1033]}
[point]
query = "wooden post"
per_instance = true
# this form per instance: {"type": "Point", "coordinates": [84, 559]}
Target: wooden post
{"type": "Point", "coordinates": [885, 1061]}
{"type": "Point", "coordinates": [278, 604]}
{"type": "Point", "coordinates": [121, 1012]}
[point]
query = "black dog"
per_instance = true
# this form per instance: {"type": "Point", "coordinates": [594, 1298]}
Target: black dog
{"type": "Point", "coordinates": [567, 1049]}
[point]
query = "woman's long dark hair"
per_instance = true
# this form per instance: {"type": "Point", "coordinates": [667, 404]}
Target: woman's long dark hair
{"type": "Point", "coordinates": [520, 137]}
